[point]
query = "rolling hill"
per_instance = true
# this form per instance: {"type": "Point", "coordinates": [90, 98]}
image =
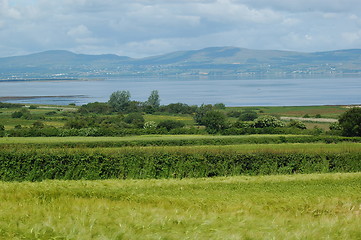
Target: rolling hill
{"type": "Point", "coordinates": [208, 61]}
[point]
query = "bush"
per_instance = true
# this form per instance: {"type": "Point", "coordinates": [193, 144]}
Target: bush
{"type": "Point", "coordinates": [178, 108]}
{"type": "Point", "coordinates": [136, 119]}
{"type": "Point", "coordinates": [170, 124]}
{"type": "Point", "coordinates": [52, 113]}
{"type": "Point", "coordinates": [150, 125]}
{"type": "Point", "coordinates": [248, 116]}
{"type": "Point", "coordinates": [296, 124]}
{"type": "Point", "coordinates": [335, 126]}
{"type": "Point", "coordinates": [234, 114]}
{"type": "Point", "coordinates": [23, 113]}
{"type": "Point", "coordinates": [268, 121]}
{"type": "Point", "coordinates": [38, 124]}
{"type": "Point", "coordinates": [10, 105]}
{"type": "Point", "coordinates": [17, 114]}
{"type": "Point", "coordinates": [76, 123]}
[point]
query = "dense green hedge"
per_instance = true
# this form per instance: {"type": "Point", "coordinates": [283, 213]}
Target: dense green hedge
{"type": "Point", "coordinates": [164, 129]}
{"type": "Point", "coordinates": [95, 132]}
{"type": "Point", "coordinates": [136, 164]}
{"type": "Point", "coordinates": [272, 139]}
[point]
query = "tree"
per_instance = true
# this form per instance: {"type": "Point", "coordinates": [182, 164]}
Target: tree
{"type": "Point", "coordinates": [120, 100]}
{"type": "Point", "coordinates": [95, 107]}
{"type": "Point", "coordinates": [201, 112]}
{"type": "Point", "coordinates": [350, 122]}
{"type": "Point", "coordinates": [214, 121]}
{"type": "Point", "coordinates": [219, 106]}
{"type": "Point", "coordinates": [2, 130]}
{"type": "Point", "coordinates": [153, 99]}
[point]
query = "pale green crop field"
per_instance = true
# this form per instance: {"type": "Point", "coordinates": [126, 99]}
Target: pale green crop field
{"type": "Point", "coordinates": [187, 119]}
{"type": "Point", "coordinates": [10, 140]}
{"type": "Point", "coordinates": [253, 148]}
{"type": "Point", "coordinates": [316, 206]}
{"type": "Point", "coordinates": [284, 148]}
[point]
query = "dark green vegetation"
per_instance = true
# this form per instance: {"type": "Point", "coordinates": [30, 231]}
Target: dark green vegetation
{"type": "Point", "coordinates": [163, 157]}
{"type": "Point", "coordinates": [350, 122]}
{"type": "Point", "coordinates": [134, 163]}
{"type": "Point", "coordinates": [216, 61]}
{"type": "Point", "coordinates": [35, 159]}
{"type": "Point", "coordinates": [122, 116]}
{"type": "Point", "coordinates": [190, 185]}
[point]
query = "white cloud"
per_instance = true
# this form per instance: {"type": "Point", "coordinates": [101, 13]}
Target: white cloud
{"type": "Point", "coordinates": [8, 12]}
{"type": "Point", "coordinates": [79, 31]}
{"type": "Point", "coordinates": [352, 37]}
{"type": "Point", "coordinates": [147, 27]}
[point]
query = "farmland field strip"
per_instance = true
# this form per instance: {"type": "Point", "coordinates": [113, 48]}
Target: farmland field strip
{"type": "Point", "coordinates": [307, 206]}
{"type": "Point", "coordinates": [164, 140]}
{"type": "Point", "coordinates": [344, 147]}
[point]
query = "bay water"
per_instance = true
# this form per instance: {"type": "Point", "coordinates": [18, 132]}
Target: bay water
{"type": "Point", "coordinates": [230, 91]}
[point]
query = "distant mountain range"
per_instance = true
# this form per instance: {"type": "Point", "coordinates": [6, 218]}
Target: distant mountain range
{"type": "Point", "coordinates": [209, 61]}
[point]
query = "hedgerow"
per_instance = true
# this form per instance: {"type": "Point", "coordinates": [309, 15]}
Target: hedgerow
{"type": "Point", "coordinates": [32, 165]}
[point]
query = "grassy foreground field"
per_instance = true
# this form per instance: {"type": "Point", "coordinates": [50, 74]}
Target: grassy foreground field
{"type": "Point", "coordinates": [316, 206]}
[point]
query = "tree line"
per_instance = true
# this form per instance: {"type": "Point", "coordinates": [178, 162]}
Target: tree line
{"type": "Point", "coordinates": [120, 114]}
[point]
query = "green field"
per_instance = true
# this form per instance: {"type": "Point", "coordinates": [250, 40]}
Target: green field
{"type": "Point", "coordinates": [49, 140]}
{"type": "Point", "coordinates": [297, 111]}
{"type": "Point", "coordinates": [316, 206]}
{"type": "Point", "coordinates": [179, 186]}
{"type": "Point", "coordinates": [62, 112]}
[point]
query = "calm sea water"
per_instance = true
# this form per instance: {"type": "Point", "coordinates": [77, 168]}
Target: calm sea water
{"type": "Point", "coordinates": [232, 92]}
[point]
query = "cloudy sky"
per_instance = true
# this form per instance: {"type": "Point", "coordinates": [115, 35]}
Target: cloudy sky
{"type": "Point", "coordinates": [141, 28]}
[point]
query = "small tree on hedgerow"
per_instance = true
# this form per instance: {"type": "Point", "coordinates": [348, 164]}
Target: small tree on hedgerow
{"type": "Point", "coordinates": [214, 121]}
{"type": "Point", "coordinates": [350, 122]}
{"type": "Point", "coordinates": [201, 112]}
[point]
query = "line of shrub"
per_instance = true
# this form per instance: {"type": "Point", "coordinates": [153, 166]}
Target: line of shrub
{"type": "Point", "coordinates": [95, 132]}
{"type": "Point", "coordinates": [271, 139]}
{"type": "Point", "coordinates": [39, 130]}
{"type": "Point", "coordinates": [136, 164]}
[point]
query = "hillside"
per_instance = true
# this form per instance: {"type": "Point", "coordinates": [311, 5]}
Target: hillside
{"type": "Point", "coordinates": [208, 61]}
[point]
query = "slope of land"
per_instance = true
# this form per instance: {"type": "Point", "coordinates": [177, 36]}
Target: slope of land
{"type": "Point", "coordinates": [209, 61]}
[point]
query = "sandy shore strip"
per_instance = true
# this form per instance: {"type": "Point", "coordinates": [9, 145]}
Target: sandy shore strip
{"type": "Point", "coordinates": [7, 98]}
{"type": "Point", "coordinates": [327, 120]}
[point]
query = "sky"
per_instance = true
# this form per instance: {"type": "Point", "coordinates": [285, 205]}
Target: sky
{"type": "Point", "coordinates": [141, 28]}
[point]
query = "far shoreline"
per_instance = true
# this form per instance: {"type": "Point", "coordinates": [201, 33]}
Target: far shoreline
{"type": "Point", "coordinates": [9, 98]}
